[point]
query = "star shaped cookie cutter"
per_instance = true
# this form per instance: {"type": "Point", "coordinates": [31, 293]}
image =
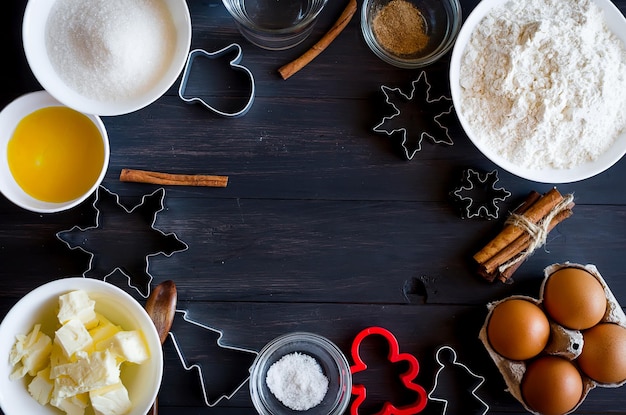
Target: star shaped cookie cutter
{"type": "Point", "coordinates": [394, 356]}
{"type": "Point", "coordinates": [112, 250]}
{"type": "Point", "coordinates": [457, 365]}
{"type": "Point", "coordinates": [433, 129]}
{"type": "Point", "coordinates": [198, 367]}
{"type": "Point", "coordinates": [478, 194]}
{"type": "Point", "coordinates": [233, 66]}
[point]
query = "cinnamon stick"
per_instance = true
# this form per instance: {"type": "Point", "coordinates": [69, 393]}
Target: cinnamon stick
{"type": "Point", "coordinates": [294, 66]}
{"type": "Point", "coordinates": [532, 197]}
{"type": "Point", "coordinates": [153, 177]}
{"type": "Point", "coordinates": [504, 275]}
{"type": "Point", "coordinates": [521, 243]}
{"type": "Point", "coordinates": [510, 233]}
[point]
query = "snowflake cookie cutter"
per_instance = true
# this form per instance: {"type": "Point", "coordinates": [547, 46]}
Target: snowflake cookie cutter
{"type": "Point", "coordinates": [478, 194]}
{"type": "Point", "coordinates": [430, 126]}
{"type": "Point", "coordinates": [394, 356]}
{"type": "Point", "coordinates": [115, 250]}
{"type": "Point", "coordinates": [233, 66]}
{"type": "Point", "coordinates": [198, 367]}
{"type": "Point", "coordinates": [452, 360]}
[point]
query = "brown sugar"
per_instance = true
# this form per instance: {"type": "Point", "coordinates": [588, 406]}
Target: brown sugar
{"type": "Point", "coordinates": [400, 28]}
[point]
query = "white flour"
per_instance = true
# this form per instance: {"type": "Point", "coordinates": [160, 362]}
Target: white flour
{"type": "Point", "coordinates": [544, 83]}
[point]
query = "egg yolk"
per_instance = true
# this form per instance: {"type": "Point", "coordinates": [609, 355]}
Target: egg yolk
{"type": "Point", "coordinates": [55, 154]}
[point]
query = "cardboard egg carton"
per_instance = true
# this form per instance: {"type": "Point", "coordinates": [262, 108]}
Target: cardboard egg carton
{"type": "Point", "coordinates": [563, 342]}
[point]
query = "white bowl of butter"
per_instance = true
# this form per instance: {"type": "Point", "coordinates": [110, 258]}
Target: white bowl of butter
{"type": "Point", "coordinates": [132, 341]}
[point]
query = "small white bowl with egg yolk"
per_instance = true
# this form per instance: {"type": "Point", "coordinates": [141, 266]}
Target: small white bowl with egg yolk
{"type": "Point", "coordinates": [52, 157]}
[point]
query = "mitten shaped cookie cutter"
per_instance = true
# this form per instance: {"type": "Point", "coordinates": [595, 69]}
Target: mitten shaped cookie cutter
{"type": "Point", "coordinates": [394, 356]}
{"type": "Point", "coordinates": [112, 243]}
{"type": "Point", "coordinates": [217, 80]}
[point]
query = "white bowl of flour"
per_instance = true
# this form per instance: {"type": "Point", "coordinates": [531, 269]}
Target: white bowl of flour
{"type": "Point", "coordinates": [539, 86]}
{"type": "Point", "coordinates": [106, 57]}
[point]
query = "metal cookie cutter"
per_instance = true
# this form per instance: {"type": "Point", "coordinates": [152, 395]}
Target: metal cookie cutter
{"type": "Point", "coordinates": [451, 370]}
{"type": "Point", "coordinates": [478, 194]}
{"type": "Point", "coordinates": [214, 89]}
{"type": "Point", "coordinates": [394, 356]}
{"type": "Point", "coordinates": [204, 380]}
{"type": "Point", "coordinates": [122, 239]}
{"type": "Point", "coordinates": [412, 127]}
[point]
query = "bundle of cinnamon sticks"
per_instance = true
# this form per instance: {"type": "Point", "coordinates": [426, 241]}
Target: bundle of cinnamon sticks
{"type": "Point", "coordinates": [524, 231]}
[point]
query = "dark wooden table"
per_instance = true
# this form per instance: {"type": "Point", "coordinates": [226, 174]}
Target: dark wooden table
{"type": "Point", "coordinates": [324, 226]}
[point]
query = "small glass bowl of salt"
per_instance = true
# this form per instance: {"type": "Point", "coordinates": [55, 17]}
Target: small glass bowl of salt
{"type": "Point", "coordinates": [300, 372]}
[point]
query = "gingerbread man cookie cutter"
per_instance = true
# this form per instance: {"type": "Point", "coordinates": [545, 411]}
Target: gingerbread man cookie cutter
{"type": "Point", "coordinates": [394, 356]}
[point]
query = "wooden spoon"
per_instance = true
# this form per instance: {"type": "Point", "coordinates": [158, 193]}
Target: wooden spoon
{"type": "Point", "coordinates": [161, 307]}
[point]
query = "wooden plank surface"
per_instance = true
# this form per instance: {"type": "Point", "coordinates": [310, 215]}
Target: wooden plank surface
{"type": "Point", "coordinates": [324, 226]}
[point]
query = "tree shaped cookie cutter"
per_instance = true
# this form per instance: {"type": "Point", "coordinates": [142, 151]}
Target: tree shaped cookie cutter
{"type": "Point", "coordinates": [394, 356]}
{"type": "Point", "coordinates": [187, 79]}
{"type": "Point", "coordinates": [430, 126]}
{"type": "Point", "coordinates": [198, 367]}
{"type": "Point", "coordinates": [112, 250]}
{"type": "Point", "coordinates": [478, 380]}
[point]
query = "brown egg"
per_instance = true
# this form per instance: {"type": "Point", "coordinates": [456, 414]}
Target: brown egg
{"type": "Point", "coordinates": [574, 298]}
{"type": "Point", "coordinates": [603, 357]}
{"type": "Point", "coordinates": [552, 385]}
{"type": "Point", "coordinates": [518, 329]}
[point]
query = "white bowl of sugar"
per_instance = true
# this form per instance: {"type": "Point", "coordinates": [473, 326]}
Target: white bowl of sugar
{"type": "Point", "coordinates": [106, 57]}
{"type": "Point", "coordinates": [538, 86]}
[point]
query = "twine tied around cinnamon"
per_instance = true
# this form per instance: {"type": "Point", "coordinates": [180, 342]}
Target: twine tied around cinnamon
{"type": "Point", "coordinates": [538, 232]}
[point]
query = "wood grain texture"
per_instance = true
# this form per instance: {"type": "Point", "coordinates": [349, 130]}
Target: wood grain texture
{"type": "Point", "coordinates": [324, 226]}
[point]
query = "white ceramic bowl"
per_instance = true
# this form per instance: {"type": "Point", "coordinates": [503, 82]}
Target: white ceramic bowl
{"type": "Point", "coordinates": [38, 306]}
{"type": "Point", "coordinates": [10, 116]}
{"type": "Point", "coordinates": [34, 39]}
{"type": "Point", "coordinates": [616, 23]}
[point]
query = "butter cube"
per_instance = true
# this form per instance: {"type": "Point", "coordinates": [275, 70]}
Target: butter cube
{"type": "Point", "coordinates": [41, 386]}
{"type": "Point", "coordinates": [64, 387]}
{"type": "Point", "coordinates": [74, 405]}
{"type": "Point", "coordinates": [77, 305]}
{"type": "Point", "coordinates": [110, 400]}
{"type": "Point", "coordinates": [30, 353]}
{"type": "Point", "coordinates": [72, 337]}
{"type": "Point", "coordinates": [129, 346]}
{"type": "Point", "coordinates": [102, 333]}
{"type": "Point", "coordinates": [57, 356]}
{"type": "Point", "coordinates": [88, 372]}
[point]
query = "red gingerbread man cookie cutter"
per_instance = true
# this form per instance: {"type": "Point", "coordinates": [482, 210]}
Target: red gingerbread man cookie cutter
{"type": "Point", "coordinates": [394, 356]}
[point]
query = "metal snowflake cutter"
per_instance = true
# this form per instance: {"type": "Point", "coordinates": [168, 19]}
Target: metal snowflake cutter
{"type": "Point", "coordinates": [478, 195]}
{"type": "Point", "coordinates": [417, 115]}
{"type": "Point", "coordinates": [122, 239]}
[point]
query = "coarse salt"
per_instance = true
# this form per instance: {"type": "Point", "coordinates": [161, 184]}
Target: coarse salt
{"type": "Point", "coordinates": [544, 83]}
{"type": "Point", "coordinates": [110, 49]}
{"type": "Point", "coordinates": [297, 381]}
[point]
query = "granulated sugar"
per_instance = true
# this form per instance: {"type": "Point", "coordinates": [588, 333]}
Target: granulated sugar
{"type": "Point", "coordinates": [544, 83]}
{"type": "Point", "coordinates": [296, 380]}
{"type": "Point", "coordinates": [110, 49]}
